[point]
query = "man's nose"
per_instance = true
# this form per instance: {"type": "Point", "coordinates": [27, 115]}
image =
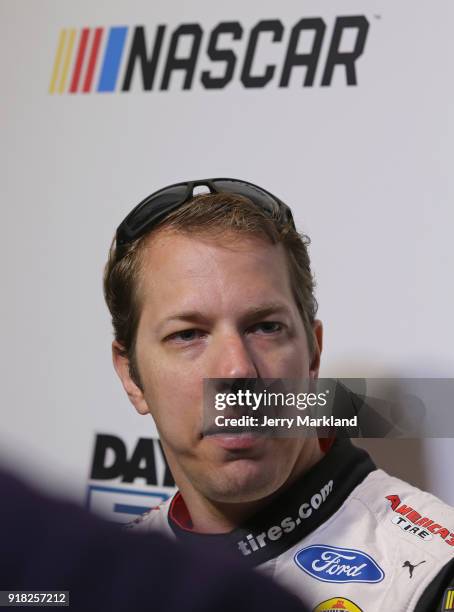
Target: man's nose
{"type": "Point", "coordinates": [233, 358]}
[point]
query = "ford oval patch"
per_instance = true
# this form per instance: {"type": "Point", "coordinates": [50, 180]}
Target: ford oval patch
{"type": "Point", "coordinates": [334, 564]}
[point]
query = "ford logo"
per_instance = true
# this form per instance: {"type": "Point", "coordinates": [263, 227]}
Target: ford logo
{"type": "Point", "coordinates": [334, 564]}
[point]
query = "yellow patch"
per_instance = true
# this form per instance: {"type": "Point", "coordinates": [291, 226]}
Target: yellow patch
{"type": "Point", "coordinates": [448, 602]}
{"type": "Point", "coordinates": [337, 604]}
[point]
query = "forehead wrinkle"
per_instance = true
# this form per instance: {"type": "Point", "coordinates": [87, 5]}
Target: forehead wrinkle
{"type": "Point", "coordinates": [204, 267]}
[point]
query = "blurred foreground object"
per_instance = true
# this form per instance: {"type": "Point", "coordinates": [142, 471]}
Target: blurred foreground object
{"type": "Point", "coordinates": [50, 545]}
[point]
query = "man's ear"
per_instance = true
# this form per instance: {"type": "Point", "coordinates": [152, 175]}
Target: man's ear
{"type": "Point", "coordinates": [121, 365]}
{"type": "Point", "coordinates": [318, 345]}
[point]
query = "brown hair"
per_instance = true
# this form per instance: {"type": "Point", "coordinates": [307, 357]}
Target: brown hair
{"type": "Point", "coordinates": [213, 215]}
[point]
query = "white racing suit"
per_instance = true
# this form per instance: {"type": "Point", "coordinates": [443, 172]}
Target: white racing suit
{"type": "Point", "coordinates": [345, 536]}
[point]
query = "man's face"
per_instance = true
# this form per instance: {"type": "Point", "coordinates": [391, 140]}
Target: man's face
{"type": "Point", "coordinates": [216, 308]}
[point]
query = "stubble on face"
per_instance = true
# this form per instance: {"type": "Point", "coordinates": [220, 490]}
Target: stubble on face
{"type": "Point", "coordinates": [207, 310]}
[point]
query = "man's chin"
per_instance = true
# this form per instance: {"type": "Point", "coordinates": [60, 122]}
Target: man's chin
{"type": "Point", "coordinates": [243, 480]}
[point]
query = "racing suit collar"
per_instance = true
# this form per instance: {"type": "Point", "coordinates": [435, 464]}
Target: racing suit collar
{"type": "Point", "coordinates": [294, 514]}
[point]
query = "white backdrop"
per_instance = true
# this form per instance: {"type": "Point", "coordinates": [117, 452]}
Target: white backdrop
{"type": "Point", "coordinates": [367, 169]}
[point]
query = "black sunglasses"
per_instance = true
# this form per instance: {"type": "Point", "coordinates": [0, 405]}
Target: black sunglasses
{"type": "Point", "coordinates": [159, 204]}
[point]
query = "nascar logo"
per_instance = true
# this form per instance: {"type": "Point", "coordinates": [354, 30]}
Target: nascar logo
{"type": "Point", "coordinates": [86, 58]}
{"type": "Point", "coordinates": [90, 59]}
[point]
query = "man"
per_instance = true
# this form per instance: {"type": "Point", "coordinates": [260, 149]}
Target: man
{"type": "Point", "coordinates": [50, 545]}
{"type": "Point", "coordinates": [218, 285]}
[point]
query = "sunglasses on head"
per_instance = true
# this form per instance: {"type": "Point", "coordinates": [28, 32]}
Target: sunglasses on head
{"type": "Point", "coordinates": [157, 206]}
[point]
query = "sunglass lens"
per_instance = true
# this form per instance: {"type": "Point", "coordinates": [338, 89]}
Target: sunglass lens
{"type": "Point", "coordinates": [155, 207]}
{"type": "Point", "coordinates": [249, 191]}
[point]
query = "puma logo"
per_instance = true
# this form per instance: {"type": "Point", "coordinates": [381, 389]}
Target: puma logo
{"type": "Point", "coordinates": [411, 567]}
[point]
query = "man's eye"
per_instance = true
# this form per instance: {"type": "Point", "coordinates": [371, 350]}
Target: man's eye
{"type": "Point", "coordinates": [186, 335]}
{"type": "Point", "coordinates": [267, 327]}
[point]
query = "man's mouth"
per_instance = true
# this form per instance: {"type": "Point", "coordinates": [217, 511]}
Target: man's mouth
{"type": "Point", "coordinates": [235, 438]}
